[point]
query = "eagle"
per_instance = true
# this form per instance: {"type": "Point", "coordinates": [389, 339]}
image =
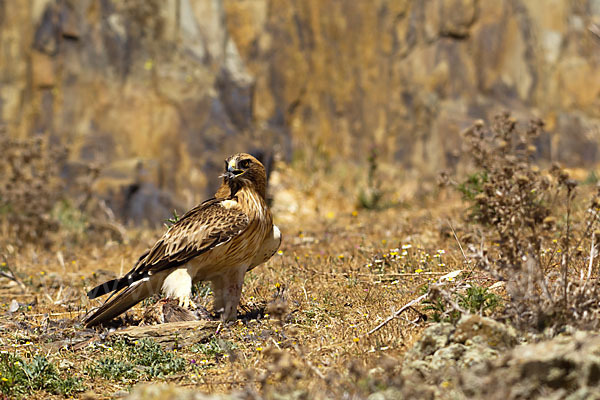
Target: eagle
{"type": "Point", "coordinates": [219, 240]}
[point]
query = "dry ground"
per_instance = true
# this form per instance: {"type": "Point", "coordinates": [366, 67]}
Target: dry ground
{"type": "Point", "coordinates": [340, 272]}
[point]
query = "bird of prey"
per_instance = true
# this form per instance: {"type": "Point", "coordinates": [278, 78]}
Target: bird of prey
{"type": "Point", "coordinates": [218, 241]}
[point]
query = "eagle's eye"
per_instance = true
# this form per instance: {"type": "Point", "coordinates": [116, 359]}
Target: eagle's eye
{"type": "Point", "coordinates": [244, 163]}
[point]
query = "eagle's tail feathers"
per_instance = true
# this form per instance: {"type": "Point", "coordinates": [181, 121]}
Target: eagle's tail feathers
{"type": "Point", "coordinates": [121, 302]}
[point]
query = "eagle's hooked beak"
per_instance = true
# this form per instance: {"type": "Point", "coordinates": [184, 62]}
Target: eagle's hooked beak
{"type": "Point", "coordinates": [232, 170]}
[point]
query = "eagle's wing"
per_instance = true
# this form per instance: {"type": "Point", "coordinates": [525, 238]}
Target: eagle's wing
{"type": "Point", "coordinates": [201, 229]}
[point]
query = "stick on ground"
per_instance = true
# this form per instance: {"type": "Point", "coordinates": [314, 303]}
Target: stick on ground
{"type": "Point", "coordinates": [400, 311]}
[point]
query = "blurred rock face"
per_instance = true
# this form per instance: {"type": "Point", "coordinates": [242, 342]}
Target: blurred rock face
{"type": "Point", "coordinates": [184, 83]}
{"type": "Point", "coordinates": [130, 83]}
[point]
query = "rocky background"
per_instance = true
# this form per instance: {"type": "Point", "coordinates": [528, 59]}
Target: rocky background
{"type": "Point", "coordinates": [155, 93]}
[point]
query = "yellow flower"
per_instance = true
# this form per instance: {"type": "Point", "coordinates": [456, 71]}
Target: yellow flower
{"type": "Point", "coordinates": [418, 271]}
{"type": "Point", "coordinates": [3, 264]}
{"type": "Point", "coordinates": [341, 256]}
{"type": "Point", "coordinates": [4, 379]}
{"type": "Point", "coordinates": [280, 252]}
{"type": "Point", "coordinates": [330, 215]}
{"type": "Point", "coordinates": [259, 349]}
{"type": "Point", "coordinates": [355, 340]}
{"type": "Point", "coordinates": [354, 213]}
{"type": "Point", "coordinates": [278, 285]}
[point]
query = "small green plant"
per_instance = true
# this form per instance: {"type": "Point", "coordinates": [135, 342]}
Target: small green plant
{"type": "Point", "coordinates": [133, 360]}
{"type": "Point", "coordinates": [214, 348]}
{"type": "Point", "coordinates": [153, 359]}
{"type": "Point", "coordinates": [173, 219]}
{"type": "Point", "coordinates": [473, 185]}
{"type": "Point", "coordinates": [591, 179]}
{"type": "Point", "coordinates": [109, 368]}
{"type": "Point", "coordinates": [19, 378]}
{"type": "Point", "coordinates": [479, 300]}
{"type": "Point", "coordinates": [449, 307]}
{"type": "Point", "coordinates": [69, 217]}
{"type": "Point", "coordinates": [439, 308]}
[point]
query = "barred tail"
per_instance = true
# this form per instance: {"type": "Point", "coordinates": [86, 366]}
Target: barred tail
{"type": "Point", "coordinates": [121, 302]}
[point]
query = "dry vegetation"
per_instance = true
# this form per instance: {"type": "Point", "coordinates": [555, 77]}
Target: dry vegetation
{"type": "Point", "coordinates": [314, 319]}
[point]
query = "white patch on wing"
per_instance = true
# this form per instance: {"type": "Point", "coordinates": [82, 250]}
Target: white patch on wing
{"type": "Point", "coordinates": [229, 203]}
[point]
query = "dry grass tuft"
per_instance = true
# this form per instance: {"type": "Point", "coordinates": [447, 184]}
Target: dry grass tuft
{"type": "Point", "coordinates": [30, 187]}
{"type": "Point", "coordinates": [542, 236]}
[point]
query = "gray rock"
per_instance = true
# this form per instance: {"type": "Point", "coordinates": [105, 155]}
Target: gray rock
{"type": "Point", "coordinates": [172, 392]}
{"type": "Point", "coordinates": [564, 367]}
{"type": "Point", "coordinates": [387, 394]}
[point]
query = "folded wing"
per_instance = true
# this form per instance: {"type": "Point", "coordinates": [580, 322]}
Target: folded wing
{"type": "Point", "coordinates": [201, 229]}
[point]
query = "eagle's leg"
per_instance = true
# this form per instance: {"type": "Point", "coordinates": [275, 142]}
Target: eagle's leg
{"type": "Point", "coordinates": [227, 290]}
{"type": "Point", "coordinates": [217, 287]}
{"type": "Point", "coordinates": [178, 285]}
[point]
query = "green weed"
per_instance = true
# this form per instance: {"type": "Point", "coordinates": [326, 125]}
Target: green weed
{"type": "Point", "coordinates": [215, 348]}
{"type": "Point", "coordinates": [19, 378]}
{"type": "Point", "coordinates": [109, 368]}
{"type": "Point", "coordinates": [475, 300]}
{"type": "Point", "coordinates": [141, 358]}
{"type": "Point", "coordinates": [473, 185]}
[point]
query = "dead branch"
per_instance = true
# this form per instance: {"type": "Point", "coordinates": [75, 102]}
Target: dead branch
{"type": "Point", "coordinates": [400, 311]}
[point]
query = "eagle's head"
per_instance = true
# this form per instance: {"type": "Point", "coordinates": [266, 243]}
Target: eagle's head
{"type": "Point", "coordinates": [244, 170]}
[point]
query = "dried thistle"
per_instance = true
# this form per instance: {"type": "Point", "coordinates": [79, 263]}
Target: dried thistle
{"type": "Point", "coordinates": [529, 216]}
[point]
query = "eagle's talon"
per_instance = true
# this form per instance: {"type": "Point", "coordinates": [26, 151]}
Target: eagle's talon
{"type": "Point", "coordinates": [186, 302]}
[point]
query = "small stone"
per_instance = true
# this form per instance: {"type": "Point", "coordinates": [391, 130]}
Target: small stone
{"type": "Point", "coordinates": [14, 306]}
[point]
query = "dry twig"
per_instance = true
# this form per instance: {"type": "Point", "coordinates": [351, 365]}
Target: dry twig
{"type": "Point", "coordinates": [397, 313]}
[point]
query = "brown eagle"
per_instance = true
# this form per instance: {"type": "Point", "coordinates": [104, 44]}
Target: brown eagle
{"type": "Point", "coordinates": [219, 241]}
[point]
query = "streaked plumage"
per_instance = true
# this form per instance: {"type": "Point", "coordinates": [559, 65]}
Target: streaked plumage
{"type": "Point", "coordinates": [218, 240]}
